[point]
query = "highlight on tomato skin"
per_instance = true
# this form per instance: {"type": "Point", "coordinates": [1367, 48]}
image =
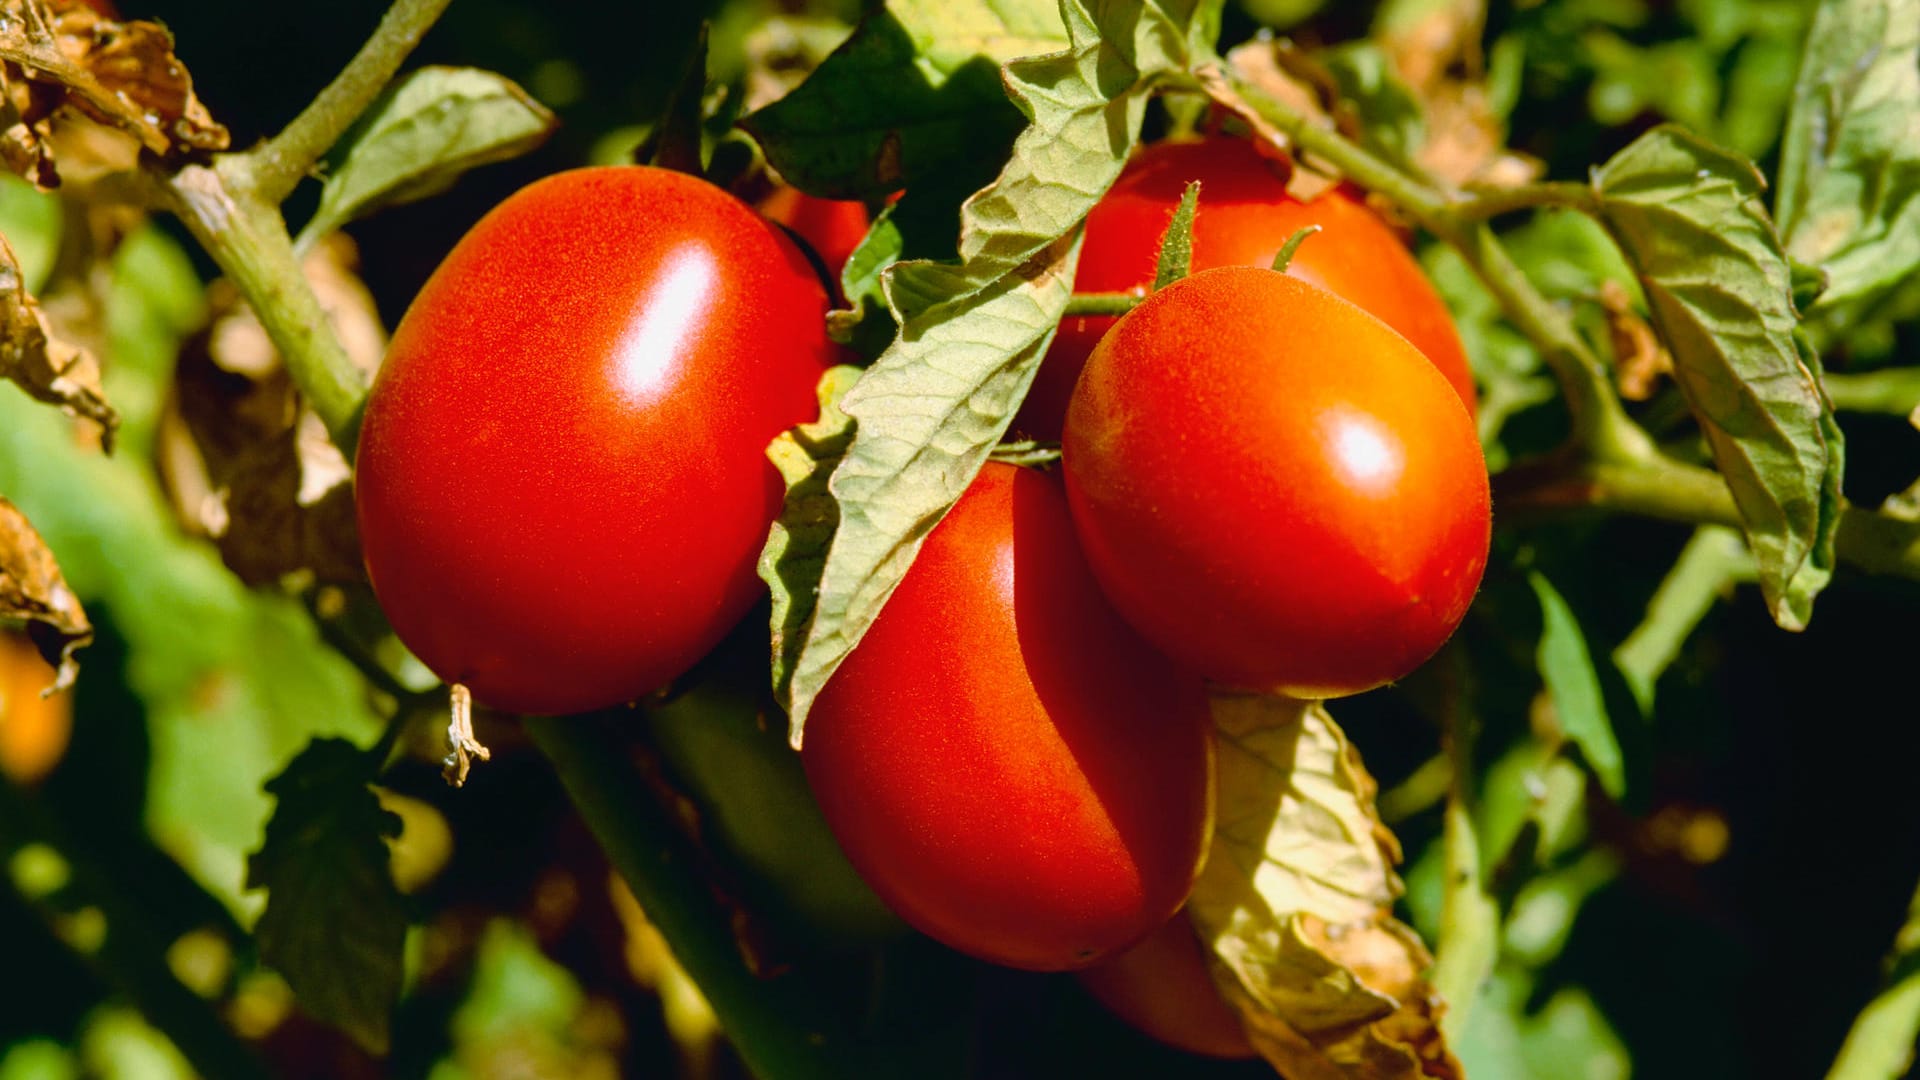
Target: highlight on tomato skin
{"type": "Point", "coordinates": [1245, 215]}
{"type": "Point", "coordinates": [1162, 989]}
{"type": "Point", "coordinates": [561, 480]}
{"type": "Point", "coordinates": [1274, 487]}
{"type": "Point", "coordinates": [1014, 771]}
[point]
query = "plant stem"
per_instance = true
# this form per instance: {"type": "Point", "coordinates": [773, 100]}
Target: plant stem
{"type": "Point", "coordinates": [1483, 203]}
{"type": "Point", "coordinates": [1469, 941]}
{"type": "Point", "coordinates": [1881, 1042]}
{"type": "Point", "coordinates": [1103, 303]}
{"type": "Point", "coordinates": [1892, 391]}
{"type": "Point", "coordinates": [278, 165]}
{"type": "Point", "coordinates": [780, 1025]}
{"type": "Point", "coordinates": [1668, 490]}
{"type": "Point", "coordinates": [248, 239]}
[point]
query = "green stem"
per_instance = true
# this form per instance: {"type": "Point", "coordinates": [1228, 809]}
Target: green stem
{"type": "Point", "coordinates": [1893, 391]}
{"type": "Point", "coordinates": [1880, 1044]}
{"type": "Point", "coordinates": [1670, 491]}
{"type": "Point", "coordinates": [1483, 203]}
{"type": "Point", "coordinates": [1110, 304]}
{"type": "Point", "coordinates": [1600, 424]}
{"type": "Point", "coordinates": [780, 1025]}
{"type": "Point", "coordinates": [132, 955]}
{"type": "Point", "coordinates": [1469, 939]}
{"type": "Point", "coordinates": [248, 239]}
{"type": "Point", "coordinates": [278, 165]}
{"type": "Point", "coordinates": [1713, 561]}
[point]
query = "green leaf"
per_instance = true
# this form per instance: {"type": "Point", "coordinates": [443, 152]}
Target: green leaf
{"type": "Point", "coordinates": [1176, 245]}
{"type": "Point", "coordinates": [675, 142]}
{"type": "Point", "coordinates": [1396, 123]}
{"type": "Point", "coordinates": [934, 404]}
{"type": "Point", "coordinates": [1849, 198]}
{"type": "Point", "coordinates": [1687, 215]}
{"type": "Point", "coordinates": [1567, 666]}
{"type": "Point", "coordinates": [1296, 900]}
{"type": "Point", "coordinates": [942, 107]}
{"type": "Point", "coordinates": [437, 124]}
{"type": "Point", "coordinates": [1707, 569]}
{"type": "Point", "coordinates": [334, 924]}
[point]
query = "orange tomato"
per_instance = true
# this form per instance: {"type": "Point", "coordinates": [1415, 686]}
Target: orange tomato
{"type": "Point", "coordinates": [34, 730]}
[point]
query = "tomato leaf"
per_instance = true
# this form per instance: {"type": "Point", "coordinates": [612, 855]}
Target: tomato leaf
{"type": "Point", "coordinates": [674, 142]}
{"type": "Point", "coordinates": [1567, 666]}
{"type": "Point", "coordinates": [424, 134]}
{"type": "Point", "coordinates": [334, 924]}
{"type": "Point", "coordinates": [1849, 198]}
{"type": "Point", "coordinates": [934, 404]}
{"type": "Point", "coordinates": [1687, 214]}
{"type": "Point", "coordinates": [1708, 567]}
{"type": "Point", "coordinates": [1396, 122]}
{"type": "Point", "coordinates": [47, 368]}
{"type": "Point", "coordinates": [33, 591]}
{"type": "Point", "coordinates": [1176, 245]}
{"type": "Point", "coordinates": [1296, 900]}
{"type": "Point", "coordinates": [797, 547]}
{"type": "Point", "coordinates": [943, 108]}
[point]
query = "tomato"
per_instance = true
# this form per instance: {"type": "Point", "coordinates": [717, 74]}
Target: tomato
{"type": "Point", "coordinates": [1013, 770]}
{"type": "Point", "coordinates": [561, 479]}
{"type": "Point", "coordinates": [34, 730]}
{"type": "Point", "coordinates": [1244, 217]}
{"type": "Point", "coordinates": [1274, 487]}
{"type": "Point", "coordinates": [832, 227]}
{"type": "Point", "coordinates": [1161, 988]}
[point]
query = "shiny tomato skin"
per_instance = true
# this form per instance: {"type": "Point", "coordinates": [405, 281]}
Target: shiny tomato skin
{"type": "Point", "coordinates": [1162, 989]}
{"type": "Point", "coordinates": [1274, 487]}
{"type": "Point", "coordinates": [561, 479]}
{"type": "Point", "coordinates": [1009, 766]}
{"type": "Point", "coordinates": [1244, 217]}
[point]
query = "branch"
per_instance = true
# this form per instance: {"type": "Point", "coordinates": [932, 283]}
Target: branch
{"type": "Point", "coordinates": [1105, 303]}
{"type": "Point", "coordinates": [1880, 1043]}
{"type": "Point", "coordinates": [1488, 202]}
{"type": "Point", "coordinates": [277, 166]}
{"type": "Point", "coordinates": [1892, 391]}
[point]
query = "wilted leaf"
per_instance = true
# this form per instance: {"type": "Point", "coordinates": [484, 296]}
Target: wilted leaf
{"type": "Point", "coordinates": [334, 924]}
{"type": "Point", "coordinates": [1849, 199]}
{"type": "Point", "coordinates": [797, 547]}
{"type": "Point", "coordinates": [424, 134]}
{"type": "Point", "coordinates": [1435, 49]}
{"type": "Point", "coordinates": [1639, 360]}
{"type": "Point", "coordinates": [48, 369]}
{"type": "Point", "coordinates": [244, 461]}
{"type": "Point", "coordinates": [1579, 705]}
{"type": "Point", "coordinates": [33, 591]}
{"type": "Point", "coordinates": [931, 408]}
{"type": "Point", "coordinates": [943, 109]}
{"type": "Point", "coordinates": [1296, 900]}
{"type": "Point", "coordinates": [1687, 215]}
{"type": "Point", "coordinates": [119, 73]}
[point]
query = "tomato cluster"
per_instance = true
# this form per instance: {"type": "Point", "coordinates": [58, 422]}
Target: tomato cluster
{"type": "Point", "coordinates": [562, 489]}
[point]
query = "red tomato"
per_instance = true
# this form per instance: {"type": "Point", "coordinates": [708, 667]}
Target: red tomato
{"type": "Point", "coordinates": [1013, 770]}
{"type": "Point", "coordinates": [561, 478]}
{"type": "Point", "coordinates": [1245, 216]}
{"type": "Point", "coordinates": [1274, 487]}
{"type": "Point", "coordinates": [34, 730]}
{"type": "Point", "coordinates": [1162, 988]}
{"type": "Point", "coordinates": [834, 227]}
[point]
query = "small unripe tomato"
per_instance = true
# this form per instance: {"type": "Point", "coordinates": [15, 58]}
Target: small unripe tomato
{"type": "Point", "coordinates": [1245, 215]}
{"type": "Point", "coordinates": [1009, 766]}
{"type": "Point", "coordinates": [1274, 487]}
{"type": "Point", "coordinates": [1161, 988]}
{"type": "Point", "coordinates": [561, 479]}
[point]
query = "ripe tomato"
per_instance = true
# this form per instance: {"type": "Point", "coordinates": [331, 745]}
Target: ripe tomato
{"type": "Point", "coordinates": [1245, 216]}
{"type": "Point", "coordinates": [1274, 487]}
{"type": "Point", "coordinates": [1013, 770]}
{"type": "Point", "coordinates": [561, 479]}
{"type": "Point", "coordinates": [833, 227]}
{"type": "Point", "coordinates": [1161, 988]}
{"type": "Point", "coordinates": [34, 730]}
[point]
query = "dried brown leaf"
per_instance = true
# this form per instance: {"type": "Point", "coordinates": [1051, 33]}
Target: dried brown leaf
{"type": "Point", "coordinates": [1640, 361]}
{"type": "Point", "coordinates": [32, 591]}
{"type": "Point", "coordinates": [1296, 901]}
{"type": "Point", "coordinates": [1437, 54]}
{"type": "Point", "coordinates": [47, 368]}
{"type": "Point", "coordinates": [243, 460]}
{"type": "Point", "coordinates": [123, 74]}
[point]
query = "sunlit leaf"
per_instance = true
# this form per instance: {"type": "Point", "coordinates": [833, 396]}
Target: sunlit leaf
{"type": "Point", "coordinates": [433, 127]}
{"type": "Point", "coordinates": [334, 923]}
{"type": "Point", "coordinates": [933, 405]}
{"type": "Point", "coordinates": [1688, 216]}
{"type": "Point", "coordinates": [1296, 901]}
{"type": "Point", "coordinates": [1849, 199]}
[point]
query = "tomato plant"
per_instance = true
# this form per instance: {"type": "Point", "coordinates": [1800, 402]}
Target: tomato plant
{"type": "Point", "coordinates": [560, 478]}
{"type": "Point", "coordinates": [1010, 768]}
{"type": "Point", "coordinates": [1246, 214]}
{"type": "Point", "coordinates": [1274, 487]}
